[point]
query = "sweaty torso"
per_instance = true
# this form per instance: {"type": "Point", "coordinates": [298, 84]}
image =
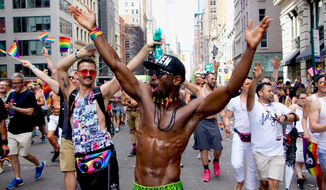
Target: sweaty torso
{"type": "Point", "coordinates": [159, 152]}
{"type": "Point", "coordinates": [55, 104]}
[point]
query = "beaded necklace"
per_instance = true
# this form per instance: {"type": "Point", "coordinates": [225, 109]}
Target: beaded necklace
{"type": "Point", "coordinates": [165, 101]}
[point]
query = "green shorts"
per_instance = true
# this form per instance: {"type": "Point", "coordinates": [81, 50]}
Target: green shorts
{"type": "Point", "coordinates": [171, 186]}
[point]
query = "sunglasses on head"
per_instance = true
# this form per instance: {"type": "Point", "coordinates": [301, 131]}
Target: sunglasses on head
{"type": "Point", "coordinates": [84, 72]}
{"type": "Point", "coordinates": [159, 73]}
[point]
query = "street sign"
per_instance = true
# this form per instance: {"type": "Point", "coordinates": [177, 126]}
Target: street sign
{"type": "Point", "coordinates": [209, 67]}
{"type": "Point", "coordinates": [316, 46]}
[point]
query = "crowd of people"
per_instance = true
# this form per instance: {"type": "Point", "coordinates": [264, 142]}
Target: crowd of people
{"type": "Point", "coordinates": [272, 121]}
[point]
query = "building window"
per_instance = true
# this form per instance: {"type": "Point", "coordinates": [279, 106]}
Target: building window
{"type": "Point", "coordinates": [2, 46]}
{"type": "Point", "coordinates": [27, 72]}
{"type": "Point", "coordinates": [77, 33]}
{"type": "Point", "coordinates": [3, 71]}
{"type": "Point", "coordinates": [132, 11]}
{"type": "Point", "coordinates": [65, 27]}
{"type": "Point", "coordinates": [81, 34]}
{"type": "Point", "coordinates": [133, 19]}
{"type": "Point", "coordinates": [2, 4]}
{"type": "Point", "coordinates": [261, 14]}
{"type": "Point", "coordinates": [132, 4]}
{"type": "Point", "coordinates": [32, 24]}
{"type": "Point", "coordinates": [212, 2]}
{"type": "Point", "coordinates": [126, 4]}
{"type": "Point", "coordinates": [136, 11]}
{"type": "Point", "coordinates": [30, 3]}
{"type": "Point", "coordinates": [213, 10]}
{"type": "Point", "coordinates": [2, 25]}
{"type": "Point", "coordinates": [63, 5]}
{"type": "Point", "coordinates": [94, 8]}
{"type": "Point", "coordinates": [85, 36]}
{"type": "Point", "coordinates": [264, 41]}
{"type": "Point", "coordinates": [32, 47]}
{"type": "Point", "coordinates": [136, 19]}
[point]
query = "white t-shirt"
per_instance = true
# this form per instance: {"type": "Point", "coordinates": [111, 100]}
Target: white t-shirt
{"type": "Point", "coordinates": [266, 131]}
{"type": "Point", "coordinates": [239, 109]}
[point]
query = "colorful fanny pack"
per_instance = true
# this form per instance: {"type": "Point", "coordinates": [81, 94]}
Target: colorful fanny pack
{"type": "Point", "coordinates": [244, 137]}
{"type": "Point", "coordinates": [93, 162]}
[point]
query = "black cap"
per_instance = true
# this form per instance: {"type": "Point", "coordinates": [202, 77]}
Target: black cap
{"type": "Point", "coordinates": [168, 63]}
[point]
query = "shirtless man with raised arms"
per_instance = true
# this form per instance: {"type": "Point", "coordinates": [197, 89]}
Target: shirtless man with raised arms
{"type": "Point", "coordinates": [166, 125]}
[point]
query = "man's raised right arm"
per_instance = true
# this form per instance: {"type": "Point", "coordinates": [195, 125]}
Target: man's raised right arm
{"type": "Point", "coordinates": [125, 77]}
{"type": "Point", "coordinates": [252, 89]}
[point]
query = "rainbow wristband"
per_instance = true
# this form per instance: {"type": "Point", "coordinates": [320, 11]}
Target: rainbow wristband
{"type": "Point", "coordinates": [95, 32]}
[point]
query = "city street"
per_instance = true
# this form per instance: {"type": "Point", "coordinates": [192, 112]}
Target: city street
{"type": "Point", "coordinates": [191, 174]}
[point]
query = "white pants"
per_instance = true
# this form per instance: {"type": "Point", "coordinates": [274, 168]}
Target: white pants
{"type": "Point", "coordinates": [53, 124]}
{"type": "Point", "coordinates": [239, 150]}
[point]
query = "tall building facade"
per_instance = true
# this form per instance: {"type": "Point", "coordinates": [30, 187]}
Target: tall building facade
{"type": "Point", "coordinates": [198, 59]}
{"type": "Point", "coordinates": [24, 21]}
{"type": "Point", "coordinates": [295, 18]}
{"type": "Point", "coordinates": [81, 37]}
{"type": "Point", "coordinates": [106, 22]}
{"type": "Point", "coordinates": [271, 45]}
{"type": "Point", "coordinates": [137, 19]}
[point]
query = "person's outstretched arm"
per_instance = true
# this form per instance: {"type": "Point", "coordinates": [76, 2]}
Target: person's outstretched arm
{"type": "Point", "coordinates": [125, 77]}
{"type": "Point", "coordinates": [252, 88]}
{"type": "Point", "coordinates": [53, 84]}
{"type": "Point", "coordinates": [218, 99]}
{"type": "Point", "coordinates": [276, 64]}
{"type": "Point", "coordinates": [51, 65]}
{"type": "Point", "coordinates": [192, 87]}
{"type": "Point", "coordinates": [62, 71]}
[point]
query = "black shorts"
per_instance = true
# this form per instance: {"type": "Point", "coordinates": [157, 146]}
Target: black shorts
{"type": "Point", "coordinates": [207, 135]}
{"type": "Point", "coordinates": [38, 117]}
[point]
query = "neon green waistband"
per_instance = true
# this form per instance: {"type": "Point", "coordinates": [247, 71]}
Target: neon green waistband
{"type": "Point", "coordinates": [171, 186]}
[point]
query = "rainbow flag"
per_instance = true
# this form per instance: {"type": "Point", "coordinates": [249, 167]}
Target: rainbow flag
{"type": "Point", "coordinates": [5, 158]}
{"type": "Point", "coordinates": [43, 36]}
{"type": "Point", "coordinates": [308, 78]}
{"type": "Point", "coordinates": [310, 158]}
{"type": "Point", "coordinates": [46, 91]}
{"type": "Point", "coordinates": [13, 50]}
{"type": "Point", "coordinates": [64, 44]}
{"type": "Point", "coordinates": [319, 69]}
{"type": "Point", "coordinates": [220, 124]}
{"type": "Point", "coordinates": [275, 90]}
{"type": "Point", "coordinates": [49, 40]}
{"type": "Point", "coordinates": [30, 83]}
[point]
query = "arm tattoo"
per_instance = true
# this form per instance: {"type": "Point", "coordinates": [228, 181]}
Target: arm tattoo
{"type": "Point", "coordinates": [64, 83]}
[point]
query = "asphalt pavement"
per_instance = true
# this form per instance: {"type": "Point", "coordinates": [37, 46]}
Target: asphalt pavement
{"type": "Point", "coordinates": [191, 175]}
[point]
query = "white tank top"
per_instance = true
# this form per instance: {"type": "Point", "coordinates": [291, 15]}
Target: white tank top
{"type": "Point", "coordinates": [322, 120]}
{"type": "Point", "coordinates": [313, 136]}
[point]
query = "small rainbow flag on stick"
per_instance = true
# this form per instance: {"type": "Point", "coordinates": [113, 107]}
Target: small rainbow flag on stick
{"type": "Point", "coordinates": [64, 44]}
{"type": "Point", "coordinates": [308, 78]}
{"type": "Point", "coordinates": [43, 36]}
{"type": "Point", "coordinates": [319, 69]}
{"type": "Point", "coordinates": [49, 40]}
{"type": "Point", "coordinates": [12, 51]}
{"type": "Point", "coordinates": [220, 124]}
{"type": "Point", "coordinates": [46, 91]}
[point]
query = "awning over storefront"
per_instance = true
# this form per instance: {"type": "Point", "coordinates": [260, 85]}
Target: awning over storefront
{"type": "Point", "coordinates": [306, 54]}
{"type": "Point", "coordinates": [290, 59]}
{"type": "Point", "coordinates": [323, 52]}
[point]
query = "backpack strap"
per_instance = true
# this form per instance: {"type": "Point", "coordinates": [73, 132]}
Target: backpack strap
{"type": "Point", "coordinates": [99, 98]}
{"type": "Point", "coordinates": [71, 100]}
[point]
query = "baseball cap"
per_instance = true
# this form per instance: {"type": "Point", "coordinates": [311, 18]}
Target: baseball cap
{"type": "Point", "coordinates": [168, 63]}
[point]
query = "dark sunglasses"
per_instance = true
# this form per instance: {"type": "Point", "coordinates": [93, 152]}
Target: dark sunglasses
{"type": "Point", "coordinates": [159, 73]}
{"type": "Point", "coordinates": [71, 77]}
{"type": "Point", "coordinates": [84, 72]}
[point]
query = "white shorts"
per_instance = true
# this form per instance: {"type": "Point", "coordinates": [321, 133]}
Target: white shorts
{"type": "Point", "coordinates": [299, 153]}
{"type": "Point", "coordinates": [270, 167]}
{"type": "Point", "coordinates": [20, 143]}
{"type": "Point", "coordinates": [53, 123]}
